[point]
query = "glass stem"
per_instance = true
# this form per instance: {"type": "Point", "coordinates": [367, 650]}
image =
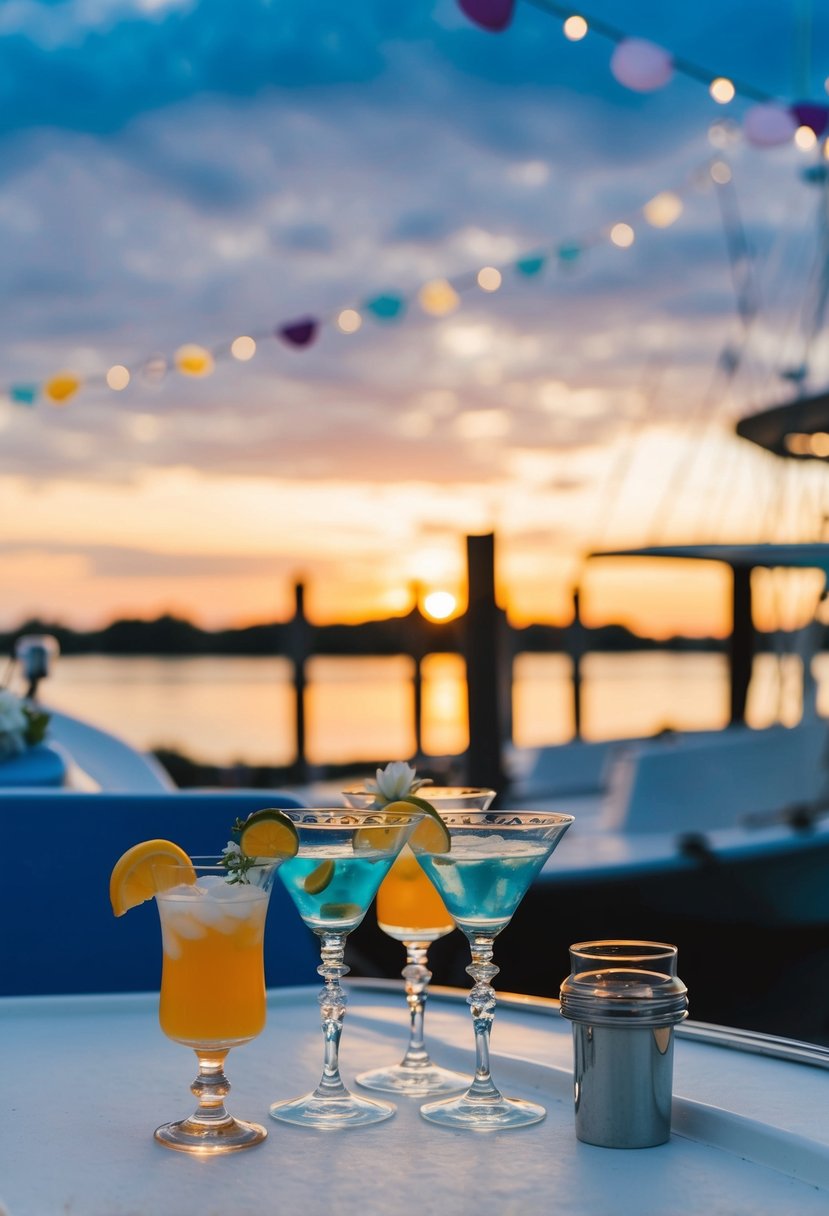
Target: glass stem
{"type": "Point", "coordinates": [417, 976]}
{"type": "Point", "coordinates": [211, 1087]}
{"type": "Point", "coordinates": [332, 1001]}
{"type": "Point", "coordinates": [481, 1002]}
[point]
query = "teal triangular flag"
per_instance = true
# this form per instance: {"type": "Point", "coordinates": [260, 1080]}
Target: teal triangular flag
{"type": "Point", "coordinates": [23, 394]}
{"type": "Point", "coordinates": [386, 307]}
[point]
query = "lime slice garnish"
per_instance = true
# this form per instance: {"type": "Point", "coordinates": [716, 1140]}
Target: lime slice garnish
{"type": "Point", "coordinates": [431, 834]}
{"type": "Point", "coordinates": [319, 878]}
{"type": "Point", "coordinates": [269, 833]}
{"type": "Point", "coordinates": [340, 911]}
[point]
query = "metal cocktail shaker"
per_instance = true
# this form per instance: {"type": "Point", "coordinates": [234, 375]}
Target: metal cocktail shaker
{"type": "Point", "coordinates": [624, 999]}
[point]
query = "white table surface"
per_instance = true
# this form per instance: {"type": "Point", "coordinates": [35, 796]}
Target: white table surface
{"type": "Point", "coordinates": [86, 1079]}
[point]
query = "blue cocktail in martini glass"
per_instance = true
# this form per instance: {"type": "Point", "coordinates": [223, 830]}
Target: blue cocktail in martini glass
{"type": "Point", "coordinates": [343, 857]}
{"type": "Point", "coordinates": [492, 859]}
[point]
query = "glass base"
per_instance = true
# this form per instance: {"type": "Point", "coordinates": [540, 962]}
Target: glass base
{"type": "Point", "coordinates": [403, 1079]}
{"type": "Point", "coordinates": [477, 1114]}
{"type": "Point", "coordinates": [193, 1136]}
{"type": "Point", "coordinates": [331, 1114]}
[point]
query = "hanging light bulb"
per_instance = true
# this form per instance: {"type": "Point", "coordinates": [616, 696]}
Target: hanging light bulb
{"type": "Point", "coordinates": [349, 321]}
{"type": "Point", "coordinates": [622, 235]}
{"type": "Point", "coordinates": [438, 297]}
{"type": "Point", "coordinates": [243, 348]}
{"type": "Point", "coordinates": [118, 377]}
{"type": "Point", "coordinates": [575, 28]}
{"type": "Point", "coordinates": [722, 90]}
{"type": "Point", "coordinates": [489, 278]}
{"type": "Point", "coordinates": [663, 209]}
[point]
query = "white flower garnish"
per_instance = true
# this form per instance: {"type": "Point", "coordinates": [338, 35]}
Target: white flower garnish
{"type": "Point", "coordinates": [395, 781]}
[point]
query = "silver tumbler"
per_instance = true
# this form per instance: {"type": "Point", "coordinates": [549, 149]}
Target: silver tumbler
{"type": "Point", "coordinates": [624, 999]}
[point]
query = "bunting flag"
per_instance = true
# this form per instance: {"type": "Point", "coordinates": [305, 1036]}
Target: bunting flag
{"type": "Point", "coordinates": [299, 333]}
{"type": "Point", "coordinates": [644, 67]}
{"type": "Point", "coordinates": [439, 297]}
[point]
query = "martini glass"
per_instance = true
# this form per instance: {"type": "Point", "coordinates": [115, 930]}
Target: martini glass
{"type": "Point", "coordinates": [493, 858]}
{"type": "Point", "coordinates": [212, 988]}
{"type": "Point", "coordinates": [343, 857]}
{"type": "Point", "coordinates": [410, 909]}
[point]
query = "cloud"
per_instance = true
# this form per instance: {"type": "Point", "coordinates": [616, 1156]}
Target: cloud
{"type": "Point", "coordinates": [179, 172]}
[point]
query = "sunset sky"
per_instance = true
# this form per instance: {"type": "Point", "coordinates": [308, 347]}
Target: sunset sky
{"type": "Point", "coordinates": [180, 172]}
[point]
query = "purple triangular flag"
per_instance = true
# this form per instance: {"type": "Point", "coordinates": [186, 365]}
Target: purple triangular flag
{"type": "Point", "coordinates": [299, 333]}
{"type": "Point", "coordinates": [494, 15]}
{"type": "Point", "coordinates": [811, 114]}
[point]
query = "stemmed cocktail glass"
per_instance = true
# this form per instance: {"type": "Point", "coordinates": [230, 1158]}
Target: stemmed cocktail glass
{"type": "Point", "coordinates": [343, 857]}
{"type": "Point", "coordinates": [493, 858]}
{"type": "Point", "coordinates": [410, 909]}
{"type": "Point", "coordinates": [212, 986]}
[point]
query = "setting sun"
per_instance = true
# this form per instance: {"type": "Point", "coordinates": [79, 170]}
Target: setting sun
{"type": "Point", "coordinates": [439, 605]}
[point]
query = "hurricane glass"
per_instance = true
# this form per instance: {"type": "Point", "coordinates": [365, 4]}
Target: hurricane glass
{"type": "Point", "coordinates": [212, 988]}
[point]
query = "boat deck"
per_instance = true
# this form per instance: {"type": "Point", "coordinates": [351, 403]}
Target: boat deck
{"type": "Point", "coordinates": [90, 1077]}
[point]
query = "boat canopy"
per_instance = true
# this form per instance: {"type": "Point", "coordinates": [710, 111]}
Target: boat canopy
{"type": "Point", "coordinates": [814, 556]}
{"type": "Point", "coordinates": [796, 429]}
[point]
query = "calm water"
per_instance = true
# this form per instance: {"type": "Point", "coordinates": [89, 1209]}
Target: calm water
{"type": "Point", "coordinates": [222, 710]}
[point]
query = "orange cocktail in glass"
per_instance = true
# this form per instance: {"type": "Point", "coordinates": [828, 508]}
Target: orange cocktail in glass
{"type": "Point", "coordinates": [410, 910]}
{"type": "Point", "coordinates": [408, 906]}
{"type": "Point", "coordinates": [212, 986]}
{"type": "Point", "coordinates": [214, 940]}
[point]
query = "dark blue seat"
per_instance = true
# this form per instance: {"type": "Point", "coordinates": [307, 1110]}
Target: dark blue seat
{"type": "Point", "coordinates": [59, 934]}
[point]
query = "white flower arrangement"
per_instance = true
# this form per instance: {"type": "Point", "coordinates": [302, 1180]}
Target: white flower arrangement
{"type": "Point", "coordinates": [21, 725]}
{"type": "Point", "coordinates": [395, 781]}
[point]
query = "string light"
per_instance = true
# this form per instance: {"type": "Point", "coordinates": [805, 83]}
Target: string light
{"type": "Point", "coordinates": [489, 278]}
{"type": "Point", "coordinates": [722, 90]}
{"type": "Point", "coordinates": [663, 209]}
{"type": "Point", "coordinates": [349, 321]}
{"type": "Point", "coordinates": [798, 443]}
{"type": "Point", "coordinates": [118, 377]}
{"type": "Point", "coordinates": [496, 15]}
{"type": "Point", "coordinates": [622, 235]}
{"type": "Point", "coordinates": [438, 297]}
{"type": "Point", "coordinates": [805, 138]}
{"type": "Point", "coordinates": [243, 348]}
{"type": "Point", "coordinates": [575, 28]}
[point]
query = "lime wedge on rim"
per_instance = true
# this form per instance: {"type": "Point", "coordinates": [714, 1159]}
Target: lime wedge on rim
{"type": "Point", "coordinates": [269, 833]}
{"type": "Point", "coordinates": [431, 834]}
